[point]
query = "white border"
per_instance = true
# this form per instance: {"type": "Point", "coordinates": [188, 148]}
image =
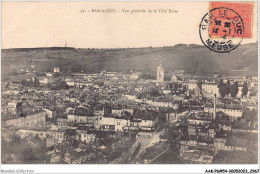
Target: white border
{"type": "Point", "coordinates": [115, 168]}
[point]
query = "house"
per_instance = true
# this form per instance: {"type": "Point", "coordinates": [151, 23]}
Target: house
{"type": "Point", "coordinates": [210, 88]}
{"type": "Point", "coordinates": [55, 158]}
{"type": "Point", "coordinates": [219, 143]}
{"type": "Point", "coordinates": [69, 109]}
{"type": "Point", "coordinates": [47, 80]}
{"type": "Point", "coordinates": [196, 157]}
{"type": "Point", "coordinates": [60, 135]}
{"type": "Point", "coordinates": [132, 125]}
{"type": "Point", "coordinates": [146, 120]}
{"type": "Point", "coordinates": [174, 78]}
{"type": "Point", "coordinates": [50, 113]}
{"type": "Point", "coordinates": [135, 76]}
{"type": "Point", "coordinates": [233, 142]}
{"type": "Point", "coordinates": [138, 89]}
{"type": "Point", "coordinates": [64, 122]}
{"type": "Point", "coordinates": [171, 117]}
{"type": "Point", "coordinates": [120, 123]}
{"type": "Point", "coordinates": [56, 70]}
{"type": "Point", "coordinates": [166, 91]}
{"type": "Point", "coordinates": [240, 126]}
{"type": "Point", "coordinates": [147, 125]}
{"type": "Point", "coordinates": [85, 134]}
{"type": "Point", "coordinates": [81, 118]}
{"type": "Point", "coordinates": [128, 110]}
{"type": "Point", "coordinates": [11, 106]}
{"type": "Point", "coordinates": [36, 142]}
{"type": "Point", "coordinates": [70, 135]}
{"type": "Point", "coordinates": [49, 74]}
{"type": "Point", "coordinates": [99, 112]}
{"type": "Point", "coordinates": [184, 145]}
{"type": "Point", "coordinates": [68, 157]}
{"type": "Point", "coordinates": [198, 121]}
{"type": "Point", "coordinates": [232, 112]}
{"type": "Point", "coordinates": [70, 83]}
{"type": "Point", "coordinates": [191, 85]}
{"type": "Point", "coordinates": [116, 112]}
{"type": "Point", "coordinates": [107, 124]}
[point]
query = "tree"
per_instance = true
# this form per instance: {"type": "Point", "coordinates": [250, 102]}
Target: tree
{"type": "Point", "coordinates": [222, 88]}
{"type": "Point", "coordinates": [244, 89]}
{"type": "Point", "coordinates": [24, 82]}
{"type": "Point", "coordinates": [228, 86]}
{"type": "Point", "coordinates": [63, 85]}
{"type": "Point", "coordinates": [173, 141]}
{"type": "Point", "coordinates": [19, 107]}
{"type": "Point", "coordinates": [234, 89]}
{"type": "Point", "coordinates": [180, 106]}
{"type": "Point", "coordinates": [20, 149]}
{"type": "Point", "coordinates": [199, 84]}
{"type": "Point", "coordinates": [176, 87]}
{"type": "Point", "coordinates": [56, 75]}
{"type": "Point", "coordinates": [250, 114]}
{"type": "Point", "coordinates": [154, 92]}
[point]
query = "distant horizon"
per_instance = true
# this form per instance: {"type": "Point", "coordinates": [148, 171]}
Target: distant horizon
{"type": "Point", "coordinates": [112, 47]}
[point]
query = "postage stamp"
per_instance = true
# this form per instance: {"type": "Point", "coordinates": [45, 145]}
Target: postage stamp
{"type": "Point", "coordinates": [245, 11]}
{"type": "Point", "coordinates": [224, 27]}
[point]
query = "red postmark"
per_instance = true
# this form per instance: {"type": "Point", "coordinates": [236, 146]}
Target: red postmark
{"type": "Point", "coordinates": [228, 23]}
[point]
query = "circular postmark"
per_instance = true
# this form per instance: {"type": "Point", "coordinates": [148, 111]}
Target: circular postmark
{"type": "Point", "coordinates": [221, 30]}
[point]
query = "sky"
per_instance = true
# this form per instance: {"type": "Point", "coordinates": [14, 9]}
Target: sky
{"type": "Point", "coordinates": [48, 24]}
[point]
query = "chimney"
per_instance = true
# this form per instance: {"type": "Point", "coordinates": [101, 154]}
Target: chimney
{"type": "Point", "coordinates": [214, 112]}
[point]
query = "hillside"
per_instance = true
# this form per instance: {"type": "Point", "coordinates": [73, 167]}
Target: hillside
{"type": "Point", "coordinates": [193, 59]}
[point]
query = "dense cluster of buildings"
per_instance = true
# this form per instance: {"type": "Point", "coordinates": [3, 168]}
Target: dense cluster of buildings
{"type": "Point", "coordinates": [99, 118]}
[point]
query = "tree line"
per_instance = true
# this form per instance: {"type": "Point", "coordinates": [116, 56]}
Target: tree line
{"type": "Point", "coordinates": [227, 88]}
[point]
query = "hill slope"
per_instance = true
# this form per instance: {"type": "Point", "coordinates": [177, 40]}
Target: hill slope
{"type": "Point", "coordinates": [193, 59]}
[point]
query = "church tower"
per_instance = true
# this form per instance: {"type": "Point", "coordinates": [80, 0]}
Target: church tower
{"type": "Point", "coordinates": [160, 74]}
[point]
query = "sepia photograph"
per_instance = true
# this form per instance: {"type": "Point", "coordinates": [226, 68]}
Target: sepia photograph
{"type": "Point", "coordinates": [129, 83]}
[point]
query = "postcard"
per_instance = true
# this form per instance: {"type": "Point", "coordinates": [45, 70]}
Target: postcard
{"type": "Point", "coordinates": [131, 83]}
